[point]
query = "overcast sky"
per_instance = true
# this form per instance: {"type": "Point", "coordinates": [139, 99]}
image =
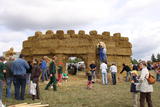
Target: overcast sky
{"type": "Point", "coordinates": [137, 19]}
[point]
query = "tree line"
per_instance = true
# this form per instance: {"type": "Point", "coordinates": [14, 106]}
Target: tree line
{"type": "Point", "coordinates": [155, 58]}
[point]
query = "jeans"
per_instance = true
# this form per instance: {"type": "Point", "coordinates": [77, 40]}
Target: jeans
{"type": "Point", "coordinates": [8, 89]}
{"type": "Point", "coordinates": [93, 75]}
{"type": "Point", "coordinates": [113, 78]}
{"type": "Point", "coordinates": [127, 75]}
{"type": "Point", "coordinates": [44, 74]}
{"type": "Point", "coordinates": [1, 89]}
{"type": "Point", "coordinates": [104, 78]}
{"type": "Point", "coordinates": [20, 85]}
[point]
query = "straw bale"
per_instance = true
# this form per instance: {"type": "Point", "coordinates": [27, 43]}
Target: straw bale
{"type": "Point", "coordinates": [93, 32]}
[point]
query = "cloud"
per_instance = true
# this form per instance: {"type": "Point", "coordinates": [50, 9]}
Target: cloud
{"type": "Point", "coordinates": [10, 39]}
{"type": "Point", "coordinates": [50, 14]}
{"type": "Point", "coordinates": [14, 36]}
{"type": "Point", "coordinates": [136, 19]}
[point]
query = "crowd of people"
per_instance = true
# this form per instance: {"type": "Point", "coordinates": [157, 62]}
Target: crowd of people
{"type": "Point", "coordinates": [138, 76]}
{"type": "Point", "coordinates": [20, 73]}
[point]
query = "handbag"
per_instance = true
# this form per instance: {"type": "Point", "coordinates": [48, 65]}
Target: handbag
{"type": "Point", "coordinates": [32, 89]}
{"type": "Point", "coordinates": [151, 79]}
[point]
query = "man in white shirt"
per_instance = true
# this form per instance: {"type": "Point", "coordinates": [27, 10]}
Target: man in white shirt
{"type": "Point", "coordinates": [103, 68]}
{"type": "Point", "coordinates": [113, 70]}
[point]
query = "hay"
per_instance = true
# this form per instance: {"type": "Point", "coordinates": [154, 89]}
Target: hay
{"type": "Point", "coordinates": [30, 105]}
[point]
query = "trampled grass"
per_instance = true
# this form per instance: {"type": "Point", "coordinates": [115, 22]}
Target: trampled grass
{"type": "Point", "coordinates": [74, 94]}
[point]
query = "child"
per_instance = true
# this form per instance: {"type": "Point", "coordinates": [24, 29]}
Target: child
{"type": "Point", "coordinates": [36, 71]}
{"type": "Point", "coordinates": [89, 83]}
{"type": "Point", "coordinates": [60, 71]}
{"type": "Point", "coordinates": [133, 90]}
{"type": "Point", "coordinates": [65, 76]}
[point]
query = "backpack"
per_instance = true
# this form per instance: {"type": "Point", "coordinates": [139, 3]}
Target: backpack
{"type": "Point", "coordinates": [151, 79]}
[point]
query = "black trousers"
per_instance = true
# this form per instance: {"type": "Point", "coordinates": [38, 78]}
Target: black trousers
{"type": "Point", "coordinates": [146, 96]}
{"type": "Point", "coordinates": [113, 78]}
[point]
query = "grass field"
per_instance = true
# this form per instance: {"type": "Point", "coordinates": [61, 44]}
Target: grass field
{"type": "Point", "coordinates": [74, 94]}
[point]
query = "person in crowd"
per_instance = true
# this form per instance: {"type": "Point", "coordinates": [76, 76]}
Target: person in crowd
{"type": "Point", "coordinates": [149, 66]}
{"type": "Point", "coordinates": [36, 71]}
{"type": "Point", "coordinates": [2, 71]}
{"type": "Point", "coordinates": [65, 76]}
{"type": "Point", "coordinates": [158, 74]}
{"type": "Point", "coordinates": [52, 69]}
{"type": "Point", "coordinates": [75, 69]}
{"type": "Point", "coordinates": [104, 68]}
{"type": "Point", "coordinates": [135, 67]}
{"type": "Point", "coordinates": [29, 71]}
{"type": "Point", "coordinates": [156, 68]}
{"type": "Point", "coordinates": [145, 88]}
{"type": "Point", "coordinates": [133, 90]}
{"type": "Point", "coordinates": [9, 76]}
{"type": "Point", "coordinates": [89, 83]}
{"type": "Point", "coordinates": [19, 68]}
{"type": "Point", "coordinates": [44, 69]}
{"type": "Point", "coordinates": [93, 71]}
{"type": "Point", "coordinates": [60, 72]}
{"type": "Point", "coordinates": [128, 70]}
{"type": "Point", "coordinates": [113, 69]}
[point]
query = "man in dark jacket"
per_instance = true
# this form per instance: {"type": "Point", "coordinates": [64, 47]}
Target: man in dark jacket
{"type": "Point", "coordinates": [128, 71]}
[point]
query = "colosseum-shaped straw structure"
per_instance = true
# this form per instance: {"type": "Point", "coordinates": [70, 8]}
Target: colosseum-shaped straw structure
{"type": "Point", "coordinates": [80, 45]}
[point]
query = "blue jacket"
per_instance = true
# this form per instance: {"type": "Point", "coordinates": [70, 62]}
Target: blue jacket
{"type": "Point", "coordinates": [19, 67]}
{"type": "Point", "coordinates": [43, 64]}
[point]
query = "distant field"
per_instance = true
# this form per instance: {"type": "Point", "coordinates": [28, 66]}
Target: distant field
{"type": "Point", "coordinates": [74, 94]}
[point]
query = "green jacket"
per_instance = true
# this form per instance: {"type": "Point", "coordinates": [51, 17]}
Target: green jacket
{"type": "Point", "coordinates": [2, 67]}
{"type": "Point", "coordinates": [52, 68]}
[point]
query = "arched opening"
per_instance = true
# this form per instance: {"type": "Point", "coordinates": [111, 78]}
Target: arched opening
{"type": "Point", "coordinates": [75, 65]}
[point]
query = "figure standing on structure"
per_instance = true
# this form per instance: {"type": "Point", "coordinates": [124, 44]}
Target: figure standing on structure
{"type": "Point", "coordinates": [102, 51]}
